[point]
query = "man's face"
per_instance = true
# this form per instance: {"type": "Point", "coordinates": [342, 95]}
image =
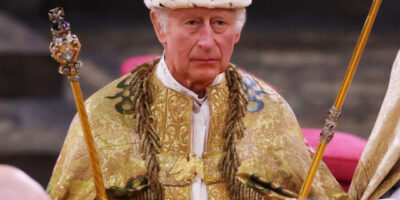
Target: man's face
{"type": "Point", "coordinates": [199, 43]}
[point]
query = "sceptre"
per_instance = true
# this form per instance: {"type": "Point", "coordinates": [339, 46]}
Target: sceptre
{"type": "Point", "coordinates": [328, 130]}
{"type": "Point", "coordinates": [65, 49]}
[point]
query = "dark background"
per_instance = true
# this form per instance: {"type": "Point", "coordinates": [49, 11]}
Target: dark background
{"type": "Point", "coordinates": [300, 47]}
{"type": "Point", "coordinates": [307, 11]}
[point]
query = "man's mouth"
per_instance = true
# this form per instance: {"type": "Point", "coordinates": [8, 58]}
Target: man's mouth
{"type": "Point", "coordinates": [205, 60]}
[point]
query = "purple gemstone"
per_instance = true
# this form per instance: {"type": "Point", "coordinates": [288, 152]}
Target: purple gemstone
{"type": "Point", "coordinates": [65, 25]}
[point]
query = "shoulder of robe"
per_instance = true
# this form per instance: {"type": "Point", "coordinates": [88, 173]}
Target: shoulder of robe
{"type": "Point", "coordinates": [110, 106]}
{"type": "Point", "coordinates": [263, 97]}
{"type": "Point", "coordinates": [114, 101]}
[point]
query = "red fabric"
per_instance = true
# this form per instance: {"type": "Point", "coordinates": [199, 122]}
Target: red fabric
{"type": "Point", "coordinates": [131, 63]}
{"type": "Point", "coordinates": [341, 155]}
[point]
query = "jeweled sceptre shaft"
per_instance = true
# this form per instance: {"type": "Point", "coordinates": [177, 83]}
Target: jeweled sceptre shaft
{"type": "Point", "coordinates": [334, 113]}
{"type": "Point", "coordinates": [65, 49]}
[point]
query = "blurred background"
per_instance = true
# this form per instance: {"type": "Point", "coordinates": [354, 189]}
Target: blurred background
{"type": "Point", "coordinates": [300, 47]}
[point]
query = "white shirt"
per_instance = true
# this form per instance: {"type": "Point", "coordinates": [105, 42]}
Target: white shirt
{"type": "Point", "coordinates": [200, 122]}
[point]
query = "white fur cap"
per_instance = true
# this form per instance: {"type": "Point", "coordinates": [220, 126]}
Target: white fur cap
{"type": "Point", "coordinates": [174, 4]}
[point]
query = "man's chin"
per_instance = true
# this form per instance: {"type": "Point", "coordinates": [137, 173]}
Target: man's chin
{"type": "Point", "coordinates": [205, 77]}
{"type": "Point", "coordinates": [206, 73]}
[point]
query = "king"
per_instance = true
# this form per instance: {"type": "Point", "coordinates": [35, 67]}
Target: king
{"type": "Point", "coordinates": [189, 124]}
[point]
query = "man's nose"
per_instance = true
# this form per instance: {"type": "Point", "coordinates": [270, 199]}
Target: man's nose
{"type": "Point", "coordinates": [207, 37]}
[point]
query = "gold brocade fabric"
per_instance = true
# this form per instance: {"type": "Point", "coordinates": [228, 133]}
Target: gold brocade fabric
{"type": "Point", "coordinates": [379, 167]}
{"type": "Point", "coordinates": [186, 168]}
{"type": "Point", "coordinates": [272, 147]}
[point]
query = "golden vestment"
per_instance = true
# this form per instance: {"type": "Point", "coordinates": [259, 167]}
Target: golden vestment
{"type": "Point", "coordinates": [379, 167]}
{"type": "Point", "coordinates": [272, 147]}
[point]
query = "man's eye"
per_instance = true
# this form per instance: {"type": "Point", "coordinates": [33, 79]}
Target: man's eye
{"type": "Point", "coordinates": [191, 22]}
{"type": "Point", "coordinates": [220, 22]}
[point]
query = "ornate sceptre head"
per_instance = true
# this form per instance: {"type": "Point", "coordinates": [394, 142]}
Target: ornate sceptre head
{"type": "Point", "coordinates": [65, 46]}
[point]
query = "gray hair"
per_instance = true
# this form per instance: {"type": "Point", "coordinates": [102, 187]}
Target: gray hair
{"type": "Point", "coordinates": [162, 15]}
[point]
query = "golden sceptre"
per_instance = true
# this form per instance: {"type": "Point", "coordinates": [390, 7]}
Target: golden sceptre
{"type": "Point", "coordinates": [334, 113]}
{"type": "Point", "coordinates": [65, 49]}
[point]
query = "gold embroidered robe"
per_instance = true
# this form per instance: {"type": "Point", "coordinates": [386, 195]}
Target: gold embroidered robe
{"type": "Point", "coordinates": [379, 167]}
{"type": "Point", "coordinates": [272, 147]}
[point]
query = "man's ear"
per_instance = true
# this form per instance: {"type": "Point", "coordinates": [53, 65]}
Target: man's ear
{"type": "Point", "coordinates": [157, 27]}
{"type": "Point", "coordinates": [237, 36]}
